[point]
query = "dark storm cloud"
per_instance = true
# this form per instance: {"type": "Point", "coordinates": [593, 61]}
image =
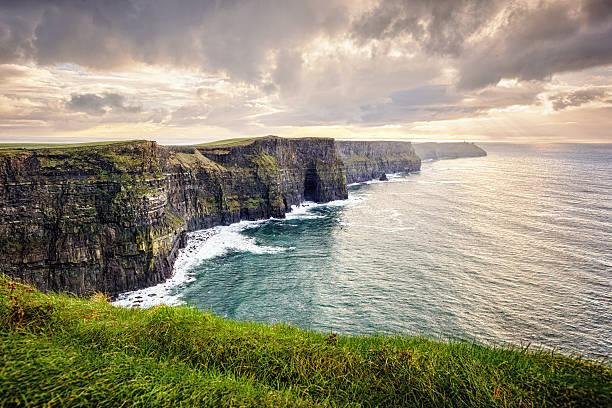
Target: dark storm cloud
{"type": "Point", "coordinates": [16, 33]}
{"type": "Point", "coordinates": [233, 36]}
{"type": "Point", "coordinates": [597, 10]}
{"type": "Point", "coordinates": [534, 44]}
{"type": "Point", "coordinates": [238, 36]}
{"type": "Point", "coordinates": [100, 104]}
{"type": "Point", "coordinates": [577, 98]}
{"type": "Point", "coordinates": [441, 27]}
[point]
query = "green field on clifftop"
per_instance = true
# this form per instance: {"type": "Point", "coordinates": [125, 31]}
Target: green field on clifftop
{"type": "Point", "coordinates": [60, 350]}
{"type": "Point", "coordinates": [30, 146]}
{"type": "Point", "coordinates": [238, 141]}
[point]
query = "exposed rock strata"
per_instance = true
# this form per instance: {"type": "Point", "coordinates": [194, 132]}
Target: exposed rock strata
{"type": "Point", "coordinates": [112, 217]}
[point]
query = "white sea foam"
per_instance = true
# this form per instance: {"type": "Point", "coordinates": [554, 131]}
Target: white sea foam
{"type": "Point", "coordinates": [304, 210]}
{"type": "Point", "coordinates": [201, 245]}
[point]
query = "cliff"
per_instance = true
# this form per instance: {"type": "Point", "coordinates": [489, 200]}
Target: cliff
{"type": "Point", "coordinates": [451, 150]}
{"type": "Point", "coordinates": [367, 160]}
{"type": "Point", "coordinates": [112, 217]}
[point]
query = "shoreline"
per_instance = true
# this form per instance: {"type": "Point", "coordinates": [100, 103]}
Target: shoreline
{"type": "Point", "coordinates": [160, 294]}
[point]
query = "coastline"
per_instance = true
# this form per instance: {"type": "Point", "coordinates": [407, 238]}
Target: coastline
{"type": "Point", "coordinates": [112, 217]}
{"type": "Point", "coordinates": [162, 293]}
{"type": "Point", "coordinates": [196, 245]}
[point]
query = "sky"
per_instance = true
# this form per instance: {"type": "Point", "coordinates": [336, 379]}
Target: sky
{"type": "Point", "coordinates": [199, 70]}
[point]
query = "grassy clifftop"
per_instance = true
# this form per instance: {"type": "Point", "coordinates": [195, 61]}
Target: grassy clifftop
{"type": "Point", "coordinates": [64, 351]}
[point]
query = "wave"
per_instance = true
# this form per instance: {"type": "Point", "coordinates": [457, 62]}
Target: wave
{"type": "Point", "coordinates": [215, 242]}
{"type": "Point", "coordinates": [304, 210]}
{"type": "Point", "coordinates": [201, 245]}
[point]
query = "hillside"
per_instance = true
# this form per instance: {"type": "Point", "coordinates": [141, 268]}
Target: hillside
{"type": "Point", "coordinates": [59, 350]}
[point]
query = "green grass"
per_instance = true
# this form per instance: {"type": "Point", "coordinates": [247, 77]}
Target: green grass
{"type": "Point", "coordinates": [35, 146]}
{"type": "Point", "coordinates": [58, 350]}
{"type": "Point", "coordinates": [238, 141]}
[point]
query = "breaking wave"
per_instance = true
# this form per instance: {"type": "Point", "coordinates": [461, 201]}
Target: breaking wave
{"type": "Point", "coordinates": [201, 245]}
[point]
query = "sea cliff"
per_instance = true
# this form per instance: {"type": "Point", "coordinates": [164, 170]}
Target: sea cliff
{"type": "Point", "coordinates": [450, 150]}
{"type": "Point", "coordinates": [112, 217]}
{"type": "Point", "coordinates": [367, 160]}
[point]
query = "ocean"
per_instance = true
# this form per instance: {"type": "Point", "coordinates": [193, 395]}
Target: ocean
{"type": "Point", "coordinates": [512, 248]}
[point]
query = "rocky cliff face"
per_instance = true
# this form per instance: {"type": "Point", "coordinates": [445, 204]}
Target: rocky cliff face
{"type": "Point", "coordinates": [112, 217]}
{"type": "Point", "coordinates": [367, 160]}
{"type": "Point", "coordinates": [451, 150]}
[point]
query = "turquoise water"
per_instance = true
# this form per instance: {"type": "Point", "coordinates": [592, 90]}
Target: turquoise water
{"type": "Point", "coordinates": [515, 247]}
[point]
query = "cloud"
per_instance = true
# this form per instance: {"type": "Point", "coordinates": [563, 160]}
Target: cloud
{"type": "Point", "coordinates": [423, 95]}
{"type": "Point", "coordinates": [287, 73]}
{"type": "Point", "coordinates": [597, 10]}
{"type": "Point", "coordinates": [231, 36]}
{"type": "Point", "coordinates": [263, 41]}
{"type": "Point", "coordinates": [491, 40]}
{"type": "Point", "coordinates": [9, 72]}
{"type": "Point", "coordinates": [537, 43]}
{"type": "Point", "coordinates": [427, 102]}
{"type": "Point", "coordinates": [440, 27]}
{"type": "Point", "coordinates": [101, 104]}
{"type": "Point", "coordinates": [577, 98]}
{"type": "Point", "coordinates": [444, 102]}
{"type": "Point", "coordinates": [262, 65]}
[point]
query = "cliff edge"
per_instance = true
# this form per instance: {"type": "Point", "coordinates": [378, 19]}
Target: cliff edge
{"type": "Point", "coordinates": [112, 217]}
{"type": "Point", "coordinates": [367, 160]}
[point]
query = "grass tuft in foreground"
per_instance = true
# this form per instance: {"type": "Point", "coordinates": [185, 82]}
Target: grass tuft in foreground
{"type": "Point", "coordinates": [59, 350]}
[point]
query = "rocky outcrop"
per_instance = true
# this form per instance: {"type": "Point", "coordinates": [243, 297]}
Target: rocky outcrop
{"type": "Point", "coordinates": [450, 150]}
{"type": "Point", "coordinates": [367, 160]}
{"type": "Point", "coordinates": [112, 217]}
